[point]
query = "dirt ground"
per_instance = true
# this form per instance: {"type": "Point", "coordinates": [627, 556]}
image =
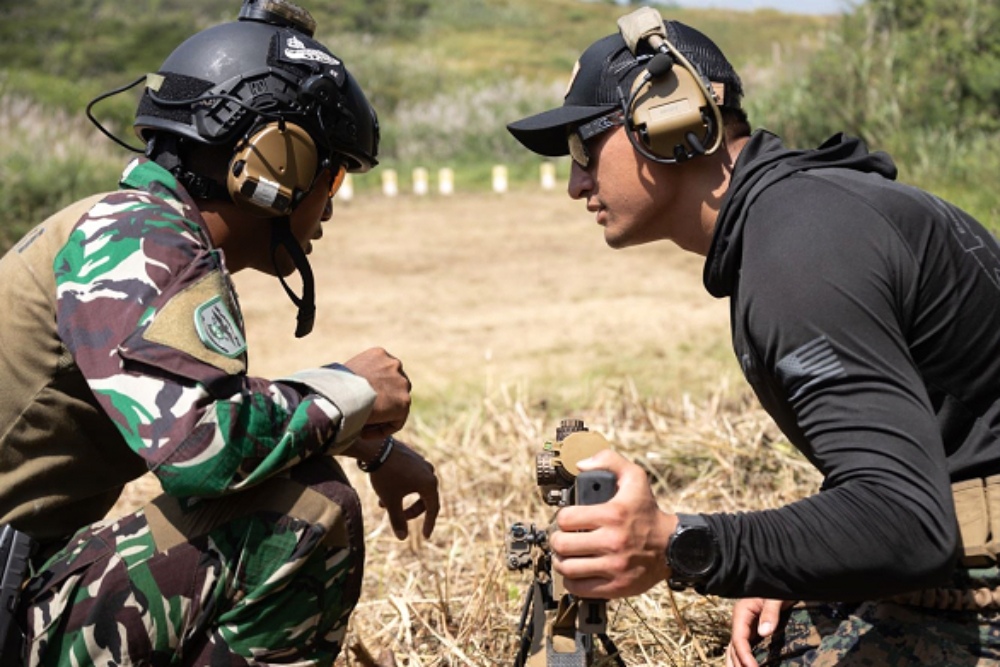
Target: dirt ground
{"type": "Point", "coordinates": [478, 294]}
{"type": "Point", "coordinates": [476, 291]}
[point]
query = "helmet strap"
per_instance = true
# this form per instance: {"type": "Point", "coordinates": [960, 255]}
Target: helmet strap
{"type": "Point", "coordinates": [281, 236]}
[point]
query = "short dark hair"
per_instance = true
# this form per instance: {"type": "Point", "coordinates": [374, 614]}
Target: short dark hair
{"type": "Point", "coordinates": [735, 123]}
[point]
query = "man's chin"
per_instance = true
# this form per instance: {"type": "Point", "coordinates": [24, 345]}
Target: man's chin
{"type": "Point", "coordinates": [282, 265]}
{"type": "Point", "coordinates": [615, 241]}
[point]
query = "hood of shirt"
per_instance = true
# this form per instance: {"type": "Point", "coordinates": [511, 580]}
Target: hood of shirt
{"type": "Point", "coordinates": [764, 161]}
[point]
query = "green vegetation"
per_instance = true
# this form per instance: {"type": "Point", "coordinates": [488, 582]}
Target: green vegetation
{"type": "Point", "coordinates": [914, 77]}
{"type": "Point", "coordinates": [917, 78]}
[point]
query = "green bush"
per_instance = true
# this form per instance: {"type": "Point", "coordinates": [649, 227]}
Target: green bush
{"type": "Point", "coordinates": [916, 78]}
{"type": "Point", "coordinates": [893, 66]}
{"type": "Point", "coordinates": [48, 162]}
{"type": "Point", "coordinates": [958, 166]}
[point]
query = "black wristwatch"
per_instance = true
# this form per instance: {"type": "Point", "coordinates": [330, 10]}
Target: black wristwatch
{"type": "Point", "coordinates": [692, 553]}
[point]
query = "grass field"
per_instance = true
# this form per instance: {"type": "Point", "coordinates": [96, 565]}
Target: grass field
{"type": "Point", "coordinates": [510, 313]}
{"type": "Point", "coordinates": [476, 292]}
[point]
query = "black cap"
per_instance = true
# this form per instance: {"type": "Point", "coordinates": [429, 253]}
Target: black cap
{"type": "Point", "coordinates": [608, 66]}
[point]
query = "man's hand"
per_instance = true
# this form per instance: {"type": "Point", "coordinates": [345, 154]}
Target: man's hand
{"type": "Point", "coordinates": [384, 373]}
{"type": "Point", "coordinates": [753, 620]}
{"type": "Point", "coordinates": [406, 472]}
{"type": "Point", "coordinates": [622, 552]}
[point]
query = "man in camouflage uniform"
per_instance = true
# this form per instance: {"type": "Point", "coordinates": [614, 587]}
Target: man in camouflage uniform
{"type": "Point", "coordinates": [123, 351]}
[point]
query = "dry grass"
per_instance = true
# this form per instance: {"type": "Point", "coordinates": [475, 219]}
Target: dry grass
{"type": "Point", "coordinates": [451, 601]}
{"type": "Point", "coordinates": [501, 310]}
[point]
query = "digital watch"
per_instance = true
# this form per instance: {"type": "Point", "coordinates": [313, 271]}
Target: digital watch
{"type": "Point", "coordinates": [692, 553]}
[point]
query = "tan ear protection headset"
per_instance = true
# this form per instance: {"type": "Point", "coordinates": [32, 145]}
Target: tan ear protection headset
{"type": "Point", "coordinates": [671, 111]}
{"type": "Point", "coordinates": [276, 163]}
{"type": "Point", "coordinates": [272, 169]}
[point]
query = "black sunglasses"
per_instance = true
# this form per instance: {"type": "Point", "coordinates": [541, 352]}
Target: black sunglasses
{"type": "Point", "coordinates": [578, 136]}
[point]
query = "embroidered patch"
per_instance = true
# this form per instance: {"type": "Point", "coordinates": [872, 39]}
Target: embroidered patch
{"type": "Point", "coordinates": [295, 49]}
{"type": "Point", "coordinates": [217, 328]}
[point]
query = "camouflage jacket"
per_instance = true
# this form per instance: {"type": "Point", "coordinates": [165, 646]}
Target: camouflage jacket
{"type": "Point", "coordinates": [125, 351]}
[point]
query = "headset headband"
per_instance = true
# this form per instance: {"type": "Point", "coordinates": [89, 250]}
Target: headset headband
{"type": "Point", "coordinates": [671, 112]}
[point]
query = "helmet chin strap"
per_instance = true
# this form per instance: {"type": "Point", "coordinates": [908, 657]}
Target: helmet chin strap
{"type": "Point", "coordinates": [281, 235]}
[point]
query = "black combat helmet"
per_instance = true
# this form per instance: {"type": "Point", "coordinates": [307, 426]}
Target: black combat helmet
{"type": "Point", "coordinates": [256, 84]}
{"type": "Point", "coordinates": [265, 66]}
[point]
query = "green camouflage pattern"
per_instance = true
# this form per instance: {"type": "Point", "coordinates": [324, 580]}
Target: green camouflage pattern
{"type": "Point", "coordinates": [204, 430]}
{"type": "Point", "coordinates": [885, 633]}
{"type": "Point", "coordinates": [264, 588]}
{"type": "Point", "coordinates": [267, 587]}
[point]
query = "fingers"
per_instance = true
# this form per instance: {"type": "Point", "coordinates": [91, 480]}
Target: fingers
{"type": "Point", "coordinates": [406, 473]}
{"type": "Point", "coordinates": [770, 616]}
{"type": "Point", "coordinates": [735, 659]}
{"type": "Point", "coordinates": [586, 542]}
{"type": "Point", "coordinates": [574, 520]}
{"type": "Point", "coordinates": [432, 504]}
{"type": "Point", "coordinates": [739, 652]}
{"type": "Point", "coordinates": [397, 519]}
{"type": "Point", "coordinates": [587, 577]}
{"type": "Point", "coordinates": [613, 549]}
{"type": "Point", "coordinates": [753, 620]}
{"type": "Point", "coordinates": [606, 459]}
{"type": "Point", "coordinates": [429, 508]}
{"type": "Point", "coordinates": [582, 556]}
{"type": "Point", "coordinates": [632, 478]}
{"type": "Point", "coordinates": [392, 386]}
{"type": "Point", "coordinates": [429, 504]}
{"type": "Point", "coordinates": [633, 502]}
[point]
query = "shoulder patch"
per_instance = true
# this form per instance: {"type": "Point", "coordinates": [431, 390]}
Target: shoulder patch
{"type": "Point", "coordinates": [217, 328]}
{"type": "Point", "coordinates": [200, 321]}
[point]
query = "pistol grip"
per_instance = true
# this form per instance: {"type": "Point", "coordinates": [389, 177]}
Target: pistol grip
{"type": "Point", "coordinates": [594, 487]}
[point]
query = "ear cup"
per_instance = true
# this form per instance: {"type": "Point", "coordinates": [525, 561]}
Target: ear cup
{"type": "Point", "coordinates": [272, 169]}
{"type": "Point", "coordinates": [672, 114]}
{"type": "Point", "coordinates": [667, 113]}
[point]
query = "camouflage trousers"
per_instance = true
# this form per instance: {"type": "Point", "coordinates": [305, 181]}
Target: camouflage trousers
{"type": "Point", "coordinates": [940, 627]}
{"type": "Point", "coordinates": [268, 576]}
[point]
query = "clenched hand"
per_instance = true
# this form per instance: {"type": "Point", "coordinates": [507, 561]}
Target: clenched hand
{"type": "Point", "coordinates": [384, 373]}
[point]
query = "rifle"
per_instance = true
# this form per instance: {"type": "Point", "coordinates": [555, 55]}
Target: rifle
{"type": "Point", "coordinates": [15, 550]}
{"type": "Point", "coordinates": [556, 628]}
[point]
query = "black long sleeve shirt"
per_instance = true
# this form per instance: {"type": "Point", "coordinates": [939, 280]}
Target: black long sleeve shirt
{"type": "Point", "coordinates": [866, 316]}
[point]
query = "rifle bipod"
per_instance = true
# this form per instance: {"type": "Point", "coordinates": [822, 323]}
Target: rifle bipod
{"type": "Point", "coordinates": [554, 631]}
{"type": "Point", "coordinates": [557, 629]}
{"type": "Point", "coordinates": [554, 647]}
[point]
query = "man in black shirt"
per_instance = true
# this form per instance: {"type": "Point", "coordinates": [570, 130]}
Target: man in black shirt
{"type": "Point", "coordinates": [865, 315]}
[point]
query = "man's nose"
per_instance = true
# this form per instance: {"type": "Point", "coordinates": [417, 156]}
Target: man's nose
{"type": "Point", "coordinates": [580, 181]}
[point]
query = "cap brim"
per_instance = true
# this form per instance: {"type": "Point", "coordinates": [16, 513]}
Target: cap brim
{"type": "Point", "coordinates": [545, 133]}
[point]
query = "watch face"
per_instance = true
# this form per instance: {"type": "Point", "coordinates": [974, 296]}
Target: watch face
{"type": "Point", "coordinates": [693, 551]}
